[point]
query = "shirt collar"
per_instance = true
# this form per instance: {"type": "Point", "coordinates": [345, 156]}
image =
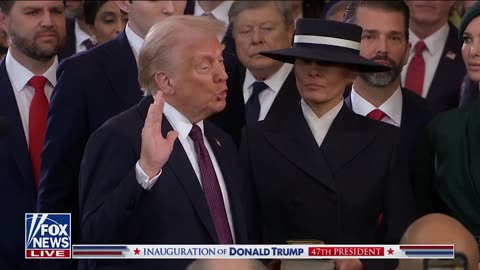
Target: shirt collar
{"type": "Point", "coordinates": [80, 35]}
{"type": "Point", "coordinates": [392, 107]}
{"type": "Point", "coordinates": [325, 121]}
{"type": "Point", "coordinates": [20, 75]}
{"type": "Point", "coordinates": [275, 82]}
{"type": "Point", "coordinates": [135, 41]}
{"type": "Point", "coordinates": [435, 42]}
{"type": "Point", "coordinates": [179, 122]}
{"type": "Point", "coordinates": [220, 12]}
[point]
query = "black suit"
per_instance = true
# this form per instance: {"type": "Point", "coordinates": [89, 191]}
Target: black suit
{"type": "Point", "coordinates": [444, 92]}
{"type": "Point", "coordinates": [70, 47]}
{"type": "Point", "coordinates": [232, 119]}
{"type": "Point", "coordinates": [18, 193]}
{"type": "Point", "coordinates": [335, 192]}
{"type": "Point", "coordinates": [116, 209]}
{"type": "Point", "coordinates": [92, 87]}
{"type": "Point", "coordinates": [415, 116]}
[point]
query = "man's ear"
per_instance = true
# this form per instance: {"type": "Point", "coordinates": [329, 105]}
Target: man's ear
{"type": "Point", "coordinates": [124, 5]}
{"type": "Point", "coordinates": [165, 83]}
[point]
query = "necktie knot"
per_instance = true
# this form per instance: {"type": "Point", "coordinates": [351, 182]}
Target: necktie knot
{"type": "Point", "coordinates": [196, 134]}
{"type": "Point", "coordinates": [258, 87]}
{"type": "Point", "coordinates": [376, 114]}
{"type": "Point", "coordinates": [420, 47]}
{"type": "Point", "coordinates": [88, 43]}
{"type": "Point", "coordinates": [38, 82]}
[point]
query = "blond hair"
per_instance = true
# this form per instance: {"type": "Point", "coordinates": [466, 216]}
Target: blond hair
{"type": "Point", "coordinates": [166, 36]}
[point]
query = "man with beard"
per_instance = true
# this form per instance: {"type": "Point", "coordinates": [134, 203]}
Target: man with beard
{"type": "Point", "coordinates": [379, 95]}
{"type": "Point", "coordinates": [27, 77]}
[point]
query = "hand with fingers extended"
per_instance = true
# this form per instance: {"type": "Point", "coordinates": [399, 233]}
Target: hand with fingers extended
{"type": "Point", "coordinates": [155, 148]}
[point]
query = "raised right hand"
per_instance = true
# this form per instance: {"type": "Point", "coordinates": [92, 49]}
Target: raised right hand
{"type": "Point", "coordinates": [155, 148]}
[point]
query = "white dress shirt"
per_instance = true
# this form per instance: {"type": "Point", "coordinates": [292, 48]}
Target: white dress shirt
{"type": "Point", "coordinates": [267, 96]}
{"type": "Point", "coordinates": [19, 77]}
{"type": "Point", "coordinates": [432, 55]}
{"type": "Point", "coordinates": [135, 41]}
{"type": "Point", "coordinates": [183, 126]}
{"type": "Point", "coordinates": [80, 36]}
{"type": "Point", "coordinates": [320, 126]}
{"type": "Point", "coordinates": [392, 107]}
{"type": "Point", "coordinates": [220, 13]}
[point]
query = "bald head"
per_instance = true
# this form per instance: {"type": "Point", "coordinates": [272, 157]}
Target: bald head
{"type": "Point", "coordinates": [222, 264]}
{"type": "Point", "coordinates": [440, 229]}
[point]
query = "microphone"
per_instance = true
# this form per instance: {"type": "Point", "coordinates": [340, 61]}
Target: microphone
{"type": "Point", "coordinates": [5, 126]}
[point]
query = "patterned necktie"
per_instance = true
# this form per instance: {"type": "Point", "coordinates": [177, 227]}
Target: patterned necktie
{"type": "Point", "coordinates": [211, 188]}
{"type": "Point", "coordinates": [376, 115]}
{"type": "Point", "coordinates": [252, 107]}
{"type": "Point", "coordinates": [88, 43]}
{"type": "Point", "coordinates": [37, 123]}
{"type": "Point", "coordinates": [416, 70]}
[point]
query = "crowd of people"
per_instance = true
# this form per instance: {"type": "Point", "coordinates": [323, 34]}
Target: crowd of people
{"type": "Point", "coordinates": [241, 122]}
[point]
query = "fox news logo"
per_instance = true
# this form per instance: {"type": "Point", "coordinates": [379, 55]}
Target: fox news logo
{"type": "Point", "coordinates": [47, 236]}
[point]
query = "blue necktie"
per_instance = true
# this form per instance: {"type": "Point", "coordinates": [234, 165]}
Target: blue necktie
{"type": "Point", "coordinates": [252, 107]}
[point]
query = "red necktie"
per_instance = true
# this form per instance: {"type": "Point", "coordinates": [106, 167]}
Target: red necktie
{"type": "Point", "coordinates": [37, 123]}
{"type": "Point", "coordinates": [211, 188]}
{"type": "Point", "coordinates": [376, 115]}
{"type": "Point", "coordinates": [416, 70]}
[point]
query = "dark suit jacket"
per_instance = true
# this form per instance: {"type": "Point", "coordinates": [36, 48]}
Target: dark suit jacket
{"type": "Point", "coordinates": [17, 185]}
{"type": "Point", "coordinates": [190, 7]}
{"type": "Point", "coordinates": [332, 193]}
{"type": "Point", "coordinates": [232, 119]}
{"type": "Point", "coordinates": [93, 86]}
{"type": "Point", "coordinates": [444, 92]}
{"type": "Point", "coordinates": [70, 47]}
{"type": "Point", "coordinates": [116, 209]}
{"type": "Point", "coordinates": [415, 116]}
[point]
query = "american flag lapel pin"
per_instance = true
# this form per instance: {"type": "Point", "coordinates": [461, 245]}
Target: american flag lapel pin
{"type": "Point", "coordinates": [451, 55]}
{"type": "Point", "coordinates": [218, 142]}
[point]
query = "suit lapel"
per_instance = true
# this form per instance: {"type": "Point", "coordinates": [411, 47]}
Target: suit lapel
{"type": "Point", "coordinates": [16, 137]}
{"type": "Point", "coordinates": [70, 47]}
{"type": "Point", "coordinates": [411, 117]}
{"type": "Point", "coordinates": [121, 69]}
{"type": "Point", "coordinates": [296, 142]}
{"type": "Point", "coordinates": [449, 62]}
{"type": "Point", "coordinates": [345, 138]}
{"type": "Point", "coordinates": [231, 179]}
{"type": "Point", "coordinates": [182, 168]}
{"type": "Point", "coordinates": [286, 98]}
